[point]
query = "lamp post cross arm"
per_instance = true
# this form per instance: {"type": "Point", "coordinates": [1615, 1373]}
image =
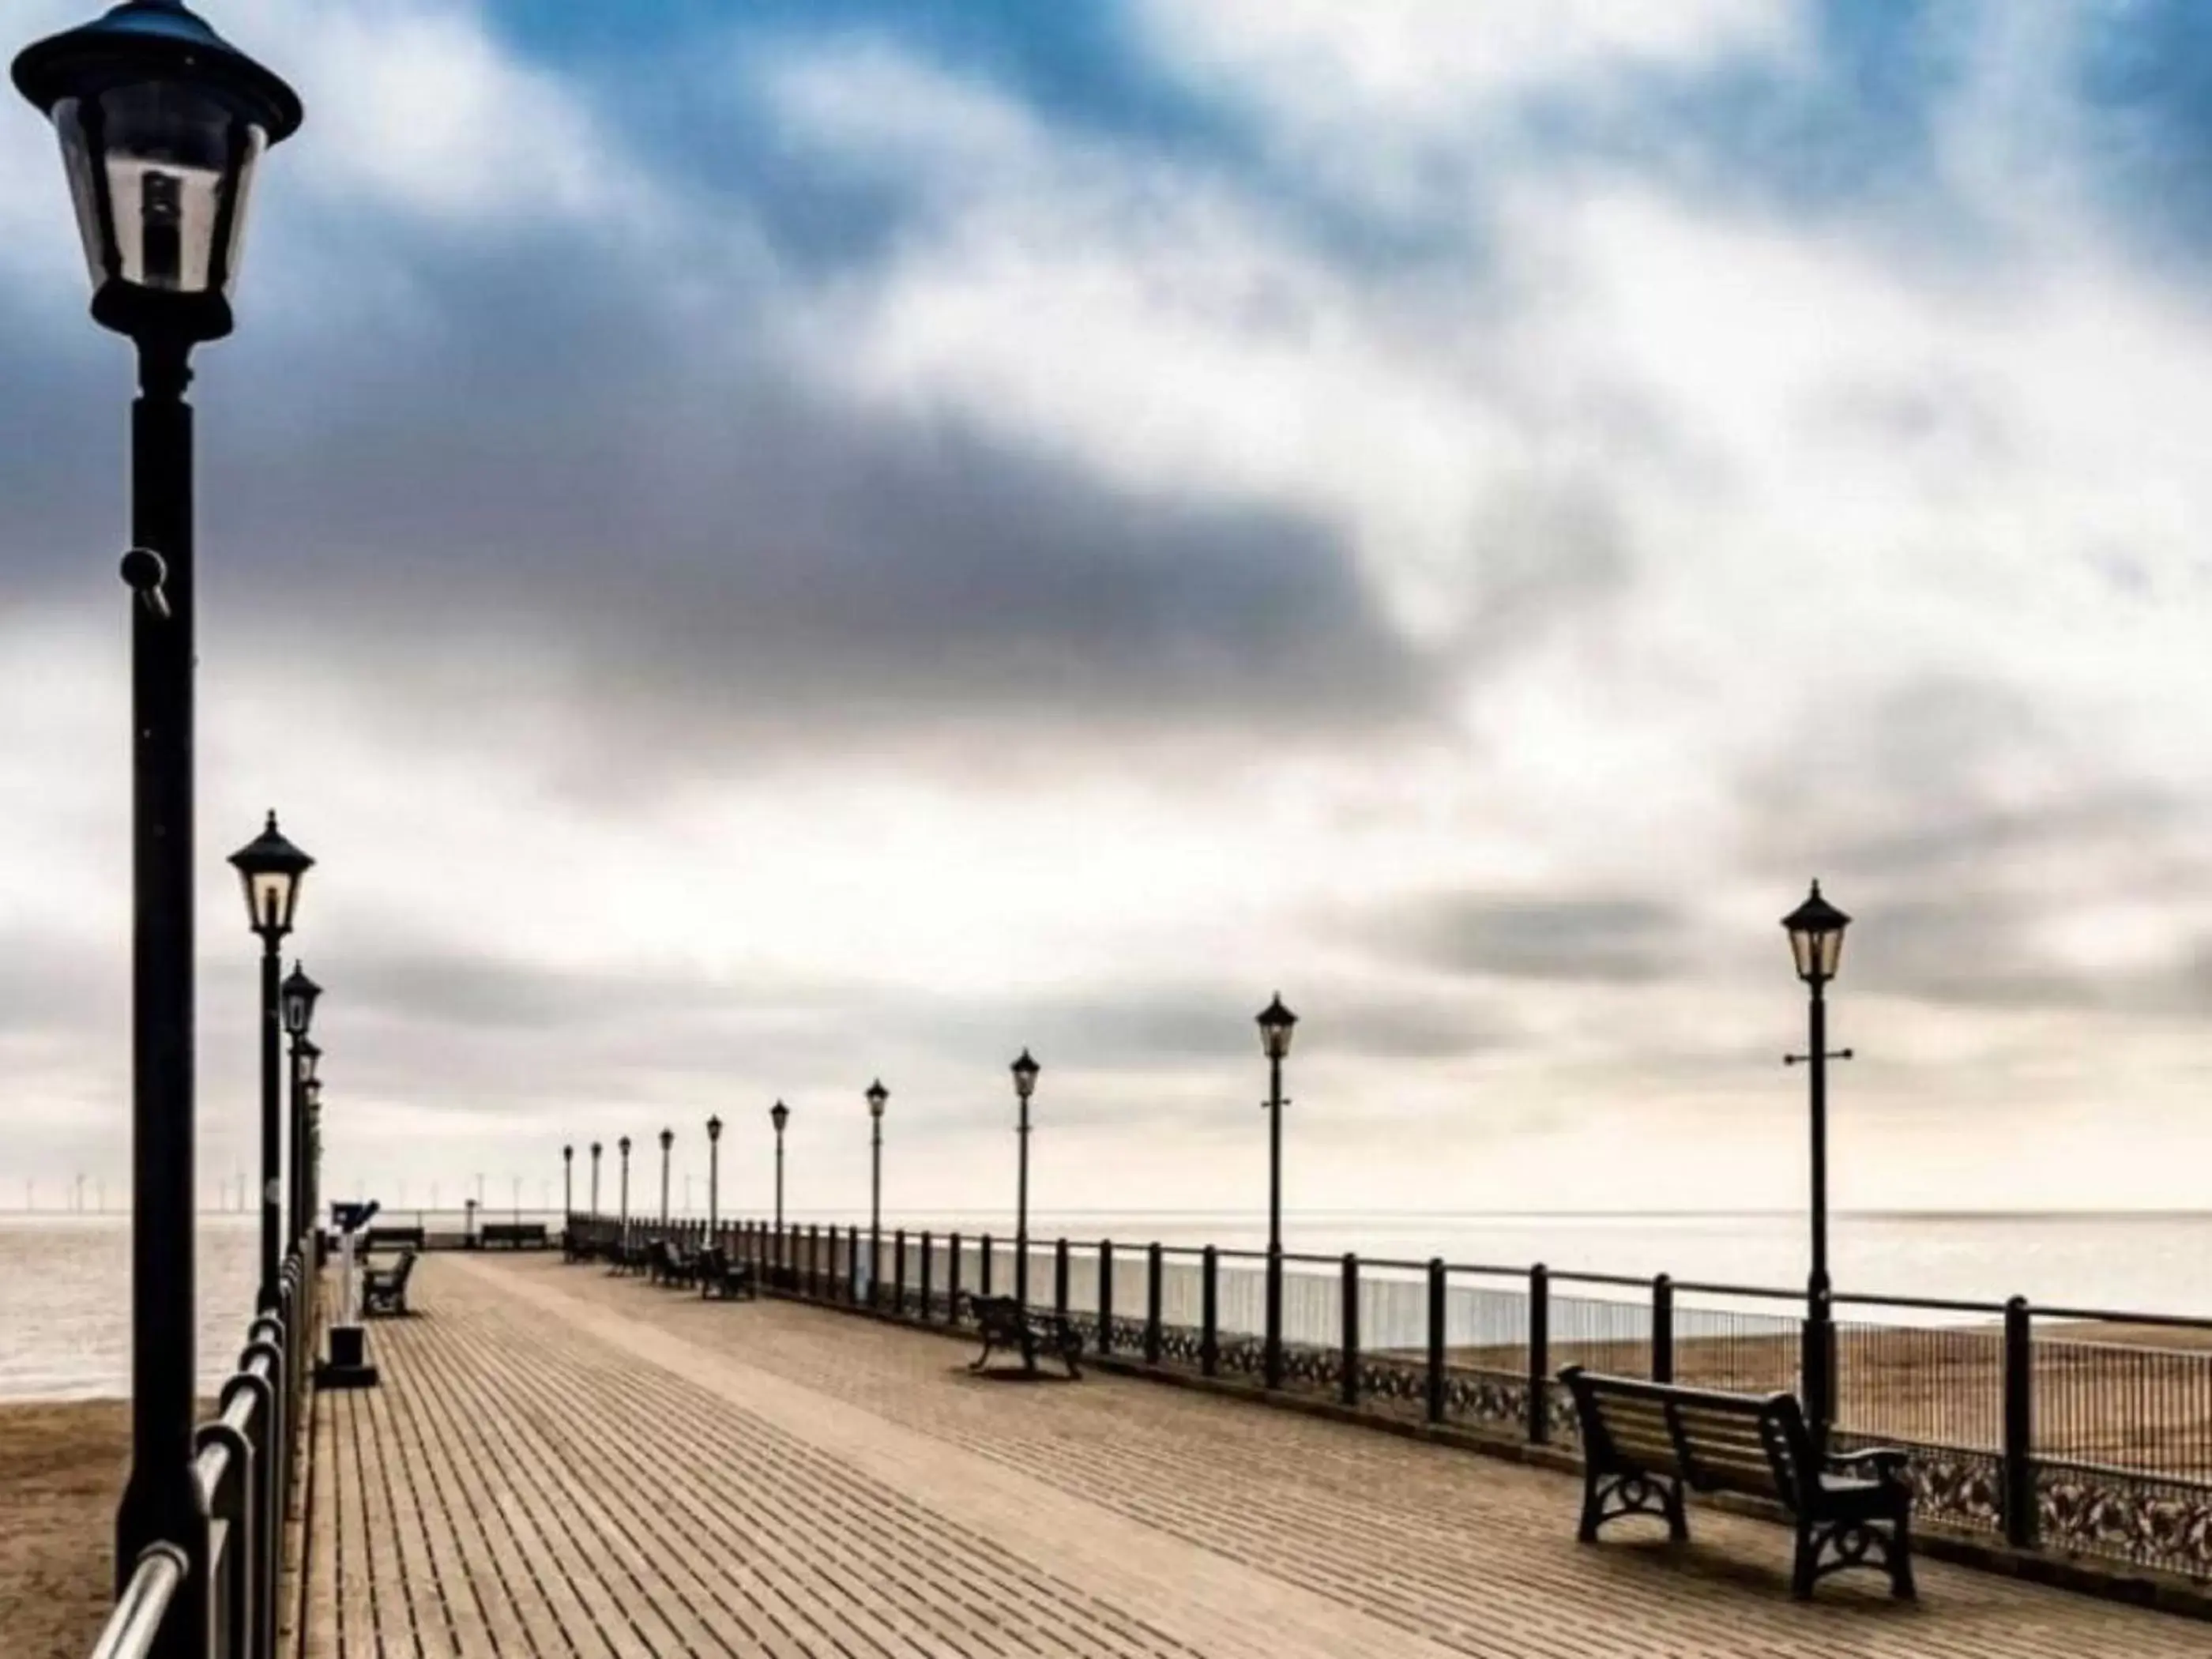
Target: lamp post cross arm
{"type": "Point", "coordinates": [1803, 1060]}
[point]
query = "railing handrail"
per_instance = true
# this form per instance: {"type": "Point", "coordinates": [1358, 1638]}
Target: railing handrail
{"type": "Point", "coordinates": [134, 1622]}
{"type": "Point", "coordinates": [1134, 1250]}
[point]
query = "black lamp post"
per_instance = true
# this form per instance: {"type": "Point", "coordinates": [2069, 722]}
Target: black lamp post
{"type": "Point", "coordinates": [1276, 1023]}
{"type": "Point", "coordinates": [778, 1114]}
{"type": "Point", "coordinates": [296, 998]}
{"type": "Point", "coordinates": [307, 1079]}
{"type": "Point", "coordinates": [713, 1174]}
{"type": "Point", "coordinates": [667, 1140]}
{"type": "Point", "coordinates": [160, 123]}
{"type": "Point", "coordinates": [569, 1186]}
{"type": "Point", "coordinates": [622, 1146]}
{"type": "Point", "coordinates": [595, 1180]}
{"type": "Point", "coordinates": [270, 870]}
{"type": "Point", "coordinates": [311, 1116]}
{"type": "Point", "coordinates": [1025, 1076]}
{"type": "Point", "coordinates": [1816, 945]}
{"type": "Point", "coordinates": [879, 1097]}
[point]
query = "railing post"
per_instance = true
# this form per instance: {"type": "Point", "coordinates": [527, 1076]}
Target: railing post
{"type": "Point", "coordinates": [2021, 1519]}
{"type": "Point", "coordinates": [1539, 1354]}
{"type": "Point", "coordinates": [852, 1262]}
{"type": "Point", "coordinates": [985, 1275]}
{"type": "Point", "coordinates": [952, 1279]}
{"type": "Point", "coordinates": [1105, 1295]}
{"type": "Point", "coordinates": [1154, 1264]}
{"type": "Point", "coordinates": [1209, 1327]}
{"type": "Point", "coordinates": [928, 1310]}
{"type": "Point", "coordinates": [898, 1271]}
{"type": "Point", "coordinates": [1271, 1348]}
{"type": "Point", "coordinates": [1817, 1361]}
{"type": "Point", "coordinates": [1435, 1340]}
{"type": "Point", "coordinates": [1059, 1277]}
{"type": "Point", "coordinates": [1348, 1384]}
{"type": "Point", "coordinates": [1662, 1329]}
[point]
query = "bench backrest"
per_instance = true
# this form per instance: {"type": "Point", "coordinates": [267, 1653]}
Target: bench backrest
{"type": "Point", "coordinates": [997, 1313]}
{"type": "Point", "coordinates": [1751, 1444]}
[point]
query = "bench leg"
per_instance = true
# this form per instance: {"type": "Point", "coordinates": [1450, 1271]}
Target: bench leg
{"type": "Point", "coordinates": [1805, 1566]}
{"type": "Point", "coordinates": [1901, 1560]}
{"type": "Point", "coordinates": [981, 1359]}
{"type": "Point", "coordinates": [1607, 1497]}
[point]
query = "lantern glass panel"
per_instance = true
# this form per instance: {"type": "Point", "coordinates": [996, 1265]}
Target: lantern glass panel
{"type": "Point", "coordinates": [159, 173]}
{"type": "Point", "coordinates": [272, 895]}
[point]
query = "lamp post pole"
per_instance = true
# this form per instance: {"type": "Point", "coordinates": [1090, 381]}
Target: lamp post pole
{"type": "Point", "coordinates": [667, 1140]}
{"type": "Point", "coordinates": [311, 1111]}
{"type": "Point", "coordinates": [161, 279]}
{"type": "Point", "coordinates": [1816, 944]}
{"type": "Point", "coordinates": [1276, 1023]}
{"type": "Point", "coordinates": [297, 998]}
{"type": "Point", "coordinates": [778, 1114]}
{"type": "Point", "coordinates": [1025, 1072]}
{"type": "Point", "coordinates": [271, 869]}
{"type": "Point", "coordinates": [622, 1146]}
{"type": "Point", "coordinates": [569, 1185]}
{"type": "Point", "coordinates": [714, 1175]}
{"type": "Point", "coordinates": [878, 1097]}
{"type": "Point", "coordinates": [307, 1057]}
{"type": "Point", "coordinates": [595, 1180]}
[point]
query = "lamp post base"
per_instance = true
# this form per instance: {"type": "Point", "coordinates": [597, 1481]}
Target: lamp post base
{"type": "Point", "coordinates": [348, 1367]}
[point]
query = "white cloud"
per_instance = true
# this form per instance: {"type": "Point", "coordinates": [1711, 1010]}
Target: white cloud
{"type": "Point", "coordinates": [1425, 62]}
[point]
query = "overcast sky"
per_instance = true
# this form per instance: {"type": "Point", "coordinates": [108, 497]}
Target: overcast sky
{"type": "Point", "coordinates": [765, 544]}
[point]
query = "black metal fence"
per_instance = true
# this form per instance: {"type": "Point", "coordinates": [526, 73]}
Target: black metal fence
{"type": "Point", "coordinates": [2084, 1430]}
{"type": "Point", "coordinates": [244, 1466]}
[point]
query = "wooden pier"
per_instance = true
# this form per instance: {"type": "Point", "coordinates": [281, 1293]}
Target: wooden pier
{"type": "Point", "coordinates": [560, 1462]}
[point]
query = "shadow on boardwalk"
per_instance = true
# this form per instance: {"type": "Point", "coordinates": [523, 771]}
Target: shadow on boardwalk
{"type": "Point", "coordinates": [560, 1462]}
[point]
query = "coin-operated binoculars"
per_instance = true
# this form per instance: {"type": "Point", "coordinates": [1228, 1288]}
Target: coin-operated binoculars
{"type": "Point", "coordinates": [349, 1365]}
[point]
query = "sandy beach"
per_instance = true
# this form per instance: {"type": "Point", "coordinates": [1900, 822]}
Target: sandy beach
{"type": "Point", "coordinates": [62, 1467]}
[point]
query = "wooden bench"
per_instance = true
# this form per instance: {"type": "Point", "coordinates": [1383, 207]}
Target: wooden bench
{"type": "Point", "coordinates": [627, 1256]}
{"type": "Point", "coordinates": [393, 1238]}
{"type": "Point", "coordinates": [669, 1263]}
{"type": "Point", "coordinates": [383, 1290]}
{"type": "Point", "coordinates": [1003, 1323]}
{"type": "Point", "coordinates": [512, 1235]}
{"type": "Point", "coordinates": [722, 1275]}
{"type": "Point", "coordinates": [1644, 1443]}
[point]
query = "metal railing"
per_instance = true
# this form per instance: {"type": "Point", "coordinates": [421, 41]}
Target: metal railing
{"type": "Point", "coordinates": [245, 1461]}
{"type": "Point", "coordinates": [2084, 1430]}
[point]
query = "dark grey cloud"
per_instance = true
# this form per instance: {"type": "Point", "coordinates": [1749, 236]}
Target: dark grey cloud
{"type": "Point", "coordinates": [1589, 937]}
{"type": "Point", "coordinates": [540, 466]}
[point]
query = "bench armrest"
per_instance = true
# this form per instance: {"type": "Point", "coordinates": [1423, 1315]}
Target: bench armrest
{"type": "Point", "coordinates": [1885, 1462]}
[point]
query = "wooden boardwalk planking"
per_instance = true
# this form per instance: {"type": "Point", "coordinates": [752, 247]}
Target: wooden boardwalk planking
{"type": "Point", "coordinates": [562, 1463]}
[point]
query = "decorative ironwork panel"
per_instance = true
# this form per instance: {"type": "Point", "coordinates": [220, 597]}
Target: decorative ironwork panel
{"type": "Point", "coordinates": [1086, 1326]}
{"type": "Point", "coordinates": [1564, 1423]}
{"type": "Point", "coordinates": [1313, 1368]}
{"type": "Point", "coordinates": [1394, 1385]}
{"type": "Point", "coordinates": [1181, 1344]}
{"type": "Point", "coordinates": [1129, 1336]}
{"type": "Point", "coordinates": [2134, 1518]}
{"type": "Point", "coordinates": [1949, 1482]}
{"type": "Point", "coordinates": [1242, 1356]}
{"type": "Point", "coordinates": [1487, 1397]}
